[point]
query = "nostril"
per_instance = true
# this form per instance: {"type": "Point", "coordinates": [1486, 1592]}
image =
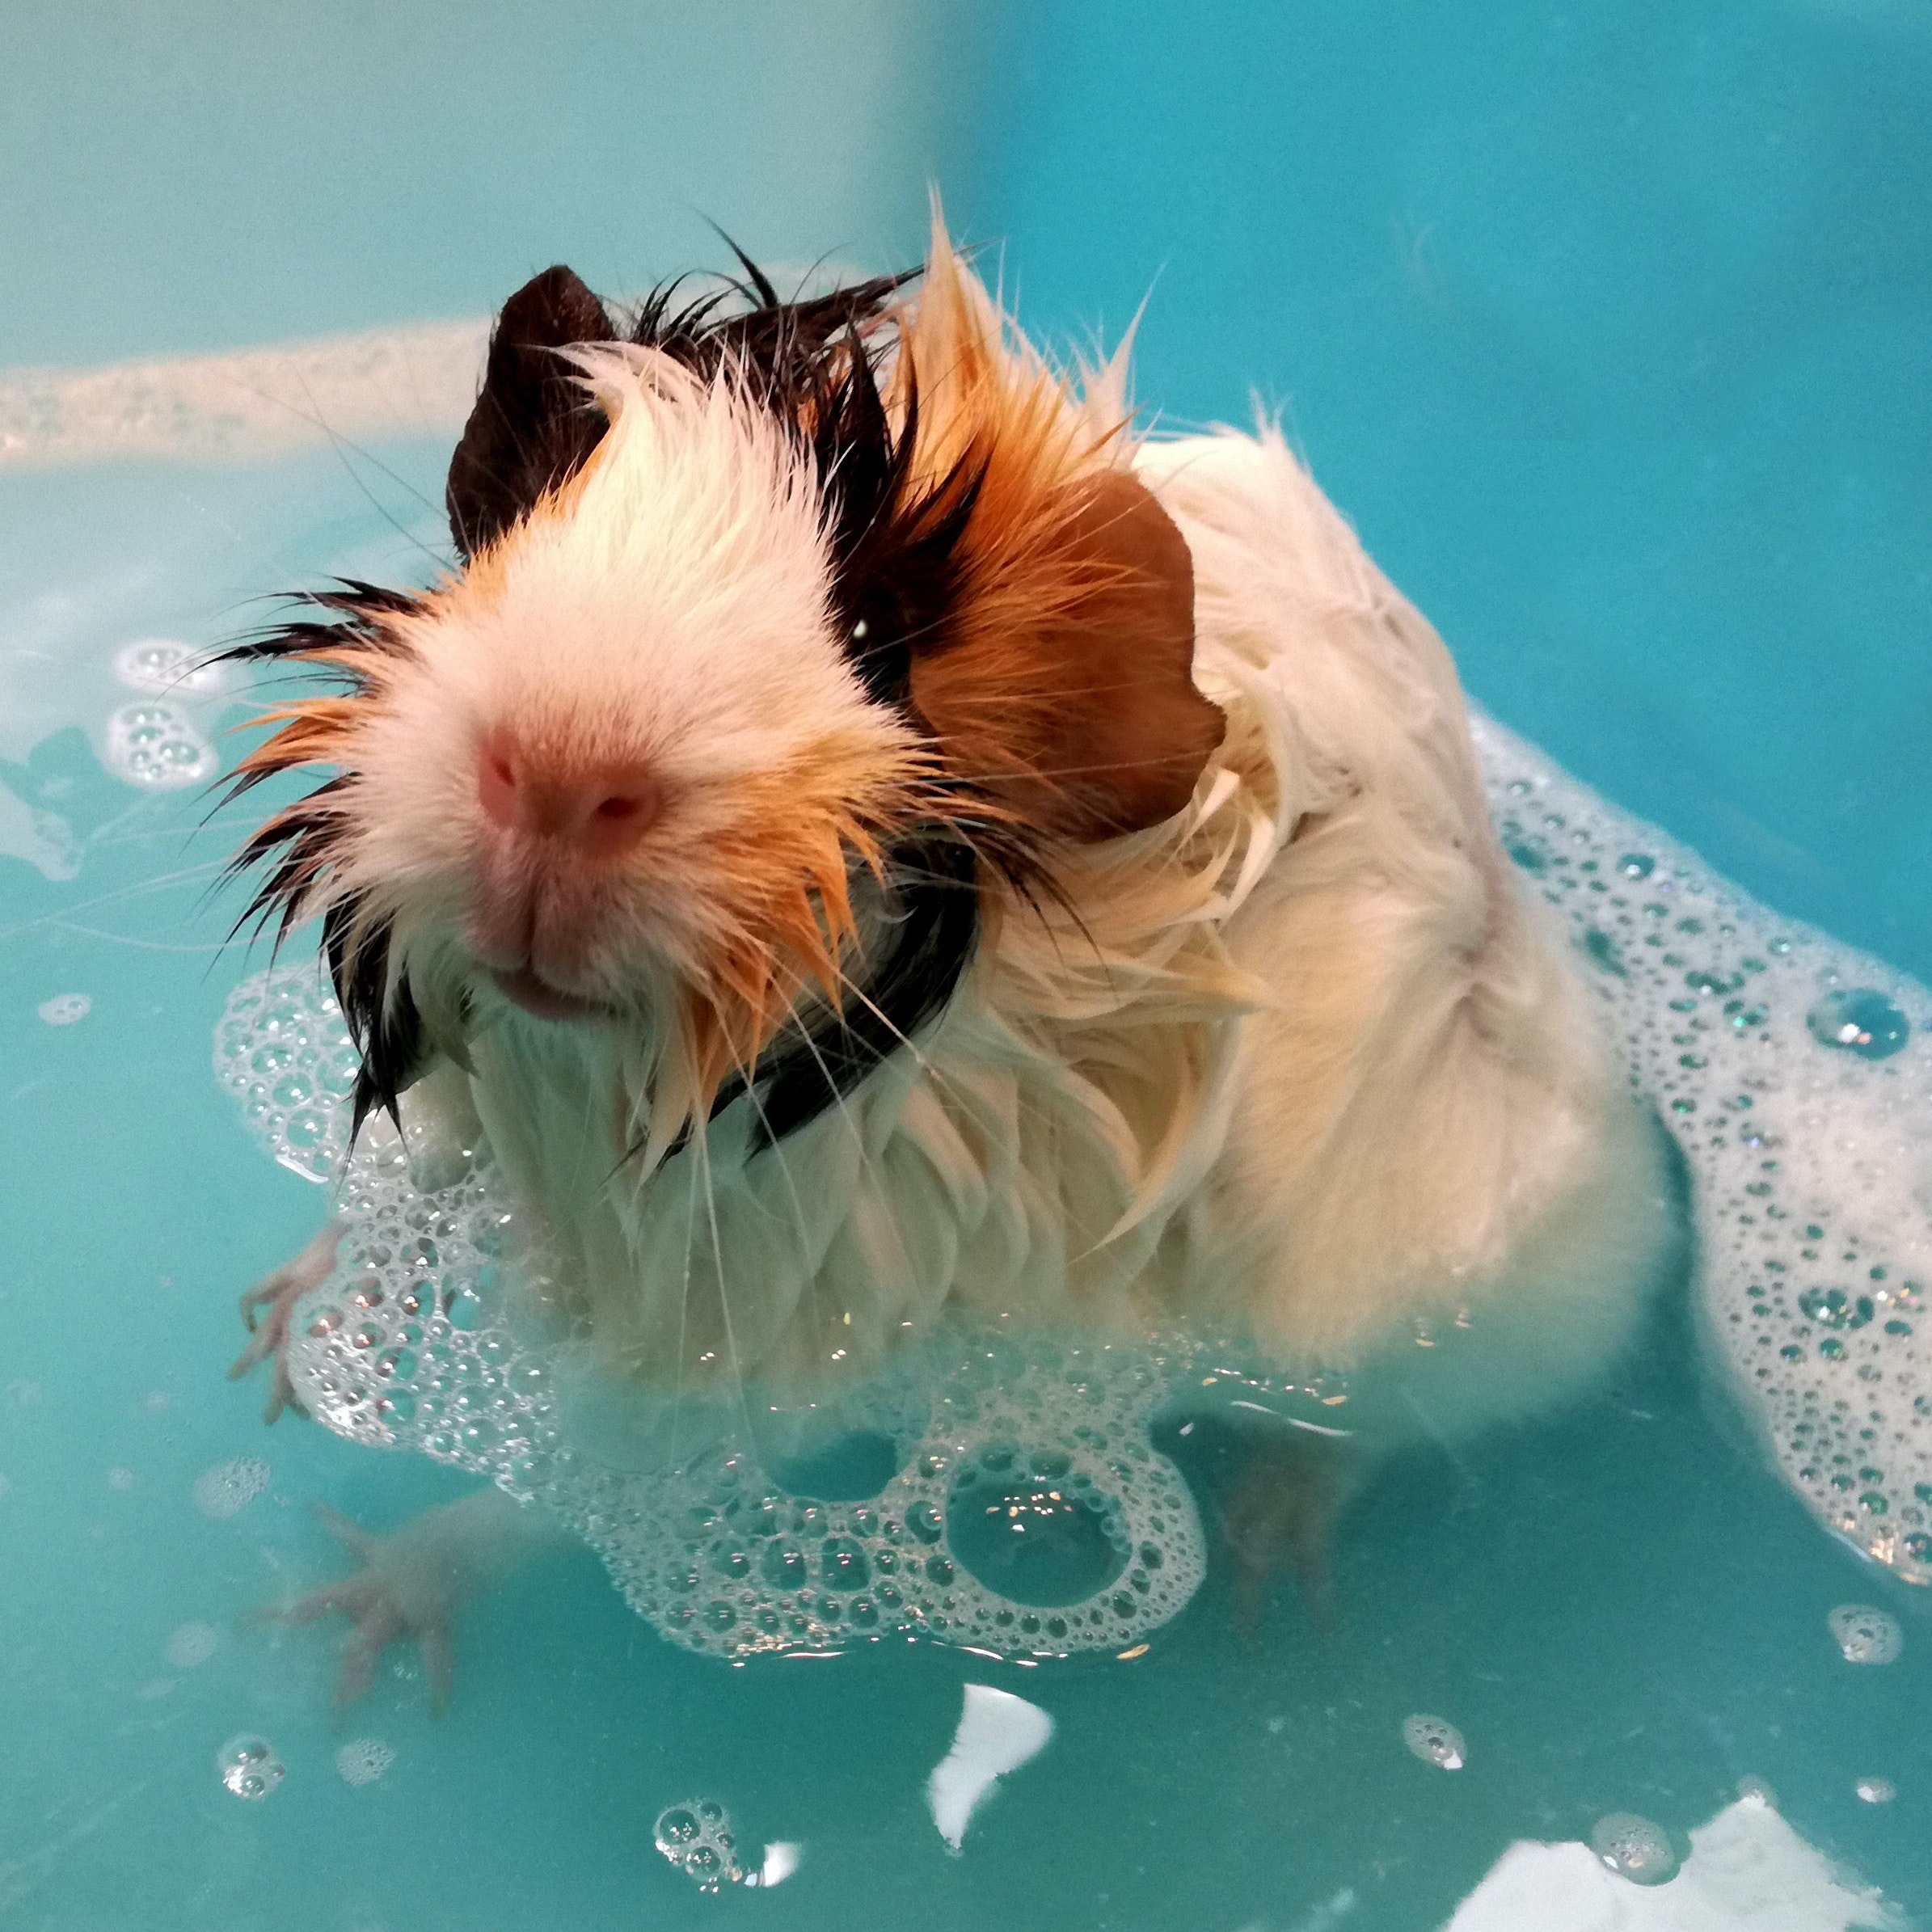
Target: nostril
{"type": "Point", "coordinates": [621, 809]}
{"type": "Point", "coordinates": [496, 779]}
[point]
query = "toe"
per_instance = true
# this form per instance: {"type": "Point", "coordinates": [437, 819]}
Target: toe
{"type": "Point", "coordinates": [439, 1664]}
{"type": "Point", "coordinates": [352, 1536]}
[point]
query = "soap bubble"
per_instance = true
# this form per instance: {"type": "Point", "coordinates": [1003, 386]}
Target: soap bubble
{"type": "Point", "coordinates": [1634, 1847]}
{"type": "Point", "coordinates": [1876, 1790]}
{"type": "Point", "coordinates": [64, 1008]}
{"type": "Point", "coordinates": [230, 1487]}
{"type": "Point", "coordinates": [1435, 1740]}
{"type": "Point", "coordinates": [697, 1837]}
{"type": "Point", "coordinates": [1865, 1634]}
{"type": "Point", "coordinates": [1038, 1540]}
{"type": "Point", "coordinates": [192, 1643]}
{"type": "Point", "coordinates": [250, 1767]}
{"type": "Point", "coordinates": [363, 1759]}
{"type": "Point", "coordinates": [1861, 1022]}
{"type": "Point", "coordinates": [155, 745]}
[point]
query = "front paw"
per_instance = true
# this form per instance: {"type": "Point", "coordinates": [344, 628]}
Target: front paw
{"type": "Point", "coordinates": [276, 1293]}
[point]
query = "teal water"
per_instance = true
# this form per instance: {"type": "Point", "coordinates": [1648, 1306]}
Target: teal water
{"type": "Point", "coordinates": [1608, 327]}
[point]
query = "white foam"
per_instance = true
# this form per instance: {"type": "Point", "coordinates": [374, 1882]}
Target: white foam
{"type": "Point", "coordinates": [246, 404]}
{"type": "Point", "coordinates": [1747, 1871]}
{"type": "Point", "coordinates": [998, 1733]}
{"type": "Point", "coordinates": [1810, 1151]}
{"type": "Point", "coordinates": [1436, 1741]}
{"type": "Point", "coordinates": [696, 1836]}
{"type": "Point", "coordinates": [164, 668]}
{"type": "Point", "coordinates": [250, 1766]}
{"type": "Point", "coordinates": [64, 1009]}
{"type": "Point", "coordinates": [420, 1352]}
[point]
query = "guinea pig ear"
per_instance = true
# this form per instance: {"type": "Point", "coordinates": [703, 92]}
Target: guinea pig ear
{"type": "Point", "coordinates": [1082, 714]}
{"type": "Point", "coordinates": [532, 427]}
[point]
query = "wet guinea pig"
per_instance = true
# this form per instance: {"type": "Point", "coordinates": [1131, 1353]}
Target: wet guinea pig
{"type": "Point", "coordinates": [864, 834]}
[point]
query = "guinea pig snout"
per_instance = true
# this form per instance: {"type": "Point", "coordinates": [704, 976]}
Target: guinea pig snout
{"type": "Point", "coordinates": [593, 810]}
{"type": "Point", "coordinates": [554, 828]}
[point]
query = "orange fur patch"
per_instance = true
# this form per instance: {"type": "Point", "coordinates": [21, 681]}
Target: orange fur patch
{"type": "Point", "coordinates": [1065, 687]}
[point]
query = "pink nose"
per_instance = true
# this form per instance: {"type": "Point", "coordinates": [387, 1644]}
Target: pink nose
{"type": "Point", "coordinates": [597, 811]}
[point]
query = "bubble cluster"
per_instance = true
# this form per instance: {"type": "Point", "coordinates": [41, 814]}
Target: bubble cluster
{"type": "Point", "coordinates": [189, 1644]}
{"type": "Point", "coordinates": [1435, 1740]}
{"type": "Point", "coordinates": [162, 666]}
{"type": "Point", "coordinates": [1876, 1790]}
{"type": "Point", "coordinates": [156, 745]}
{"type": "Point", "coordinates": [1796, 1074]}
{"type": "Point", "coordinates": [249, 1766]}
{"type": "Point", "coordinates": [64, 1009]}
{"type": "Point", "coordinates": [696, 1836]}
{"type": "Point", "coordinates": [1634, 1847]}
{"type": "Point", "coordinates": [230, 1487]}
{"type": "Point", "coordinates": [1865, 1635]}
{"type": "Point", "coordinates": [363, 1759]}
{"type": "Point", "coordinates": [283, 1052]}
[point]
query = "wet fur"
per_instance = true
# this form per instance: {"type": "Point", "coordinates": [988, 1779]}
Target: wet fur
{"type": "Point", "coordinates": [1079, 907]}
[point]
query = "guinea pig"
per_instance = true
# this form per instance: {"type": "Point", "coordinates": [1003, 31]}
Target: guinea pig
{"type": "Point", "coordinates": [865, 834]}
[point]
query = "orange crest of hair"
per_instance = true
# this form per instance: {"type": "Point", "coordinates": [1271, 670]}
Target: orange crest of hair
{"type": "Point", "coordinates": [1064, 690]}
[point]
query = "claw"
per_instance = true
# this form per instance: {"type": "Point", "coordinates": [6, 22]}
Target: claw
{"type": "Point", "coordinates": [277, 1292]}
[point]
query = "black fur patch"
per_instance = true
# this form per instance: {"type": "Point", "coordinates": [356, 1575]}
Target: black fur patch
{"type": "Point", "coordinates": [936, 923]}
{"type": "Point", "coordinates": [383, 1021]}
{"type": "Point", "coordinates": [298, 845]}
{"type": "Point", "coordinates": [532, 426]}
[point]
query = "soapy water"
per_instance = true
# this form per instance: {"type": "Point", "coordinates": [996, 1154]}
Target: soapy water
{"type": "Point", "coordinates": [1797, 1076]}
{"type": "Point", "coordinates": [155, 745]}
{"type": "Point", "coordinates": [1013, 1499]}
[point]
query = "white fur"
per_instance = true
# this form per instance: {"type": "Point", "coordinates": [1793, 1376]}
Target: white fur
{"type": "Point", "coordinates": [672, 613]}
{"type": "Point", "coordinates": [1305, 1066]}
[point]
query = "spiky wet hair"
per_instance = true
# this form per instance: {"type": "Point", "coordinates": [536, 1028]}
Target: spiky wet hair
{"type": "Point", "coordinates": [974, 523]}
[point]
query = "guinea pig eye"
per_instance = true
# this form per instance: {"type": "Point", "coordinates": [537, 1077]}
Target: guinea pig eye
{"type": "Point", "coordinates": [877, 643]}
